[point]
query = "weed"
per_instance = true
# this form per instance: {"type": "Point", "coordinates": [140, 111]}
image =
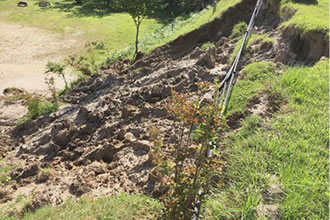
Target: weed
{"type": "Point", "coordinates": [57, 69]}
{"type": "Point", "coordinates": [5, 170]}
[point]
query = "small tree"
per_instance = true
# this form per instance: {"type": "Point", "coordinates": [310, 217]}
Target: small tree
{"type": "Point", "coordinates": [138, 9]}
{"type": "Point", "coordinates": [183, 169]}
{"type": "Point", "coordinates": [58, 69]}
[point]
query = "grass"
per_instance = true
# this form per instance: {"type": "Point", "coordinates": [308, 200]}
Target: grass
{"type": "Point", "coordinates": [309, 17]}
{"type": "Point", "coordinates": [115, 30]}
{"type": "Point", "coordinates": [252, 39]}
{"type": "Point", "coordinates": [239, 29]}
{"type": "Point", "coordinates": [292, 147]}
{"type": "Point", "coordinates": [207, 45]}
{"type": "Point", "coordinates": [255, 78]}
{"type": "Point", "coordinates": [15, 207]}
{"type": "Point", "coordinates": [37, 106]}
{"type": "Point", "coordinates": [5, 170]}
{"type": "Point", "coordinates": [122, 206]}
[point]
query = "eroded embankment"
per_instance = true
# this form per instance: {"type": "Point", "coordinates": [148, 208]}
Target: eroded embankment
{"type": "Point", "coordinates": [100, 144]}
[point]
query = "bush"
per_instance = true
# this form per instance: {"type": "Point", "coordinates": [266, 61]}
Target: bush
{"type": "Point", "coordinates": [183, 169]}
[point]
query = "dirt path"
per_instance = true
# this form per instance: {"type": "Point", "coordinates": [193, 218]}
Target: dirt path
{"type": "Point", "coordinates": [24, 52]}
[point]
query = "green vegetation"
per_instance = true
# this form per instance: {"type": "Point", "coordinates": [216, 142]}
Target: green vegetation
{"type": "Point", "coordinates": [290, 150]}
{"type": "Point", "coordinates": [115, 29]}
{"type": "Point", "coordinates": [16, 207]}
{"type": "Point", "coordinates": [37, 106]}
{"type": "Point", "coordinates": [58, 69]}
{"type": "Point", "coordinates": [256, 77]}
{"type": "Point", "coordinates": [122, 206]}
{"type": "Point", "coordinates": [207, 45]}
{"type": "Point", "coordinates": [184, 167]}
{"type": "Point", "coordinates": [303, 20]}
{"type": "Point", "coordinates": [239, 29]}
{"type": "Point", "coordinates": [252, 39]}
{"type": "Point", "coordinates": [5, 170]}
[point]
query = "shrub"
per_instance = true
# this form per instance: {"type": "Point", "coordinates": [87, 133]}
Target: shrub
{"type": "Point", "coordinates": [183, 169]}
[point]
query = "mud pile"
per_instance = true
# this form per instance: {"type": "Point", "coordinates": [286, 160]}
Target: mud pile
{"type": "Point", "coordinates": [99, 144]}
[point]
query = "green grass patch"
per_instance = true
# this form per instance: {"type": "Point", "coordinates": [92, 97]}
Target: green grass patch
{"type": "Point", "coordinates": [122, 206]}
{"type": "Point", "coordinates": [115, 30]}
{"type": "Point", "coordinates": [251, 40]}
{"type": "Point", "coordinates": [207, 45]}
{"type": "Point", "coordinates": [309, 16]}
{"type": "Point", "coordinates": [256, 76]}
{"type": "Point", "coordinates": [238, 30]}
{"type": "Point", "coordinates": [292, 147]}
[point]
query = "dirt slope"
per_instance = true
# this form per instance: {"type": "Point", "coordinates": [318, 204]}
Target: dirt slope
{"type": "Point", "coordinates": [100, 143]}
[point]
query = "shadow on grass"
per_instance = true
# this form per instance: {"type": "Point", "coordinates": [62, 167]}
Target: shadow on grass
{"type": "Point", "coordinates": [91, 8]}
{"type": "Point", "coordinates": [100, 8]}
{"type": "Point", "coordinates": [306, 2]}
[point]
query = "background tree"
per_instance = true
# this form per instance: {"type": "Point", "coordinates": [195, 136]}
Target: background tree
{"type": "Point", "coordinates": [138, 9]}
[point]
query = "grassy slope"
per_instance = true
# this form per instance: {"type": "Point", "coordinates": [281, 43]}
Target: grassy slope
{"type": "Point", "coordinates": [292, 146]}
{"type": "Point", "coordinates": [309, 17]}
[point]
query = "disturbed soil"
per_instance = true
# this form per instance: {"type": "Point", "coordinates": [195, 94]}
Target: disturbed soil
{"type": "Point", "coordinates": [99, 144]}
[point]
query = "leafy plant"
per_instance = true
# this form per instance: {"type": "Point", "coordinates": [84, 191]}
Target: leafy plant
{"type": "Point", "coordinates": [184, 169]}
{"type": "Point", "coordinates": [58, 69]}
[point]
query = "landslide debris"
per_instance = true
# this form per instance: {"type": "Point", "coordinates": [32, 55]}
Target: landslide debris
{"type": "Point", "coordinates": [99, 144]}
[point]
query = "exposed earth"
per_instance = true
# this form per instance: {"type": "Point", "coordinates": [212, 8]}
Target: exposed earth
{"type": "Point", "coordinates": [99, 144]}
{"type": "Point", "coordinates": [25, 51]}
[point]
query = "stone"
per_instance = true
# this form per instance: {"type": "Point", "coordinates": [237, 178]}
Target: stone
{"type": "Point", "coordinates": [129, 137]}
{"type": "Point", "coordinates": [207, 60]}
{"type": "Point", "coordinates": [77, 188]}
{"type": "Point", "coordinates": [196, 53]}
{"type": "Point", "coordinates": [21, 173]}
{"type": "Point", "coordinates": [143, 144]}
{"type": "Point", "coordinates": [22, 3]}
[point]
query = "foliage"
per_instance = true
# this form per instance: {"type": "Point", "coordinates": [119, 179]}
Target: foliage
{"type": "Point", "coordinates": [57, 69]}
{"type": "Point", "coordinates": [238, 30]}
{"type": "Point", "coordinates": [138, 10]}
{"type": "Point", "coordinates": [185, 168]}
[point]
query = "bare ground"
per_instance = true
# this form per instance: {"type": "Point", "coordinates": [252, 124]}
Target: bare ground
{"type": "Point", "coordinates": [25, 51]}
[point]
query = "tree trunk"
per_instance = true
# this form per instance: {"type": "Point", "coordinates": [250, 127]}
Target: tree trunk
{"type": "Point", "coordinates": [137, 38]}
